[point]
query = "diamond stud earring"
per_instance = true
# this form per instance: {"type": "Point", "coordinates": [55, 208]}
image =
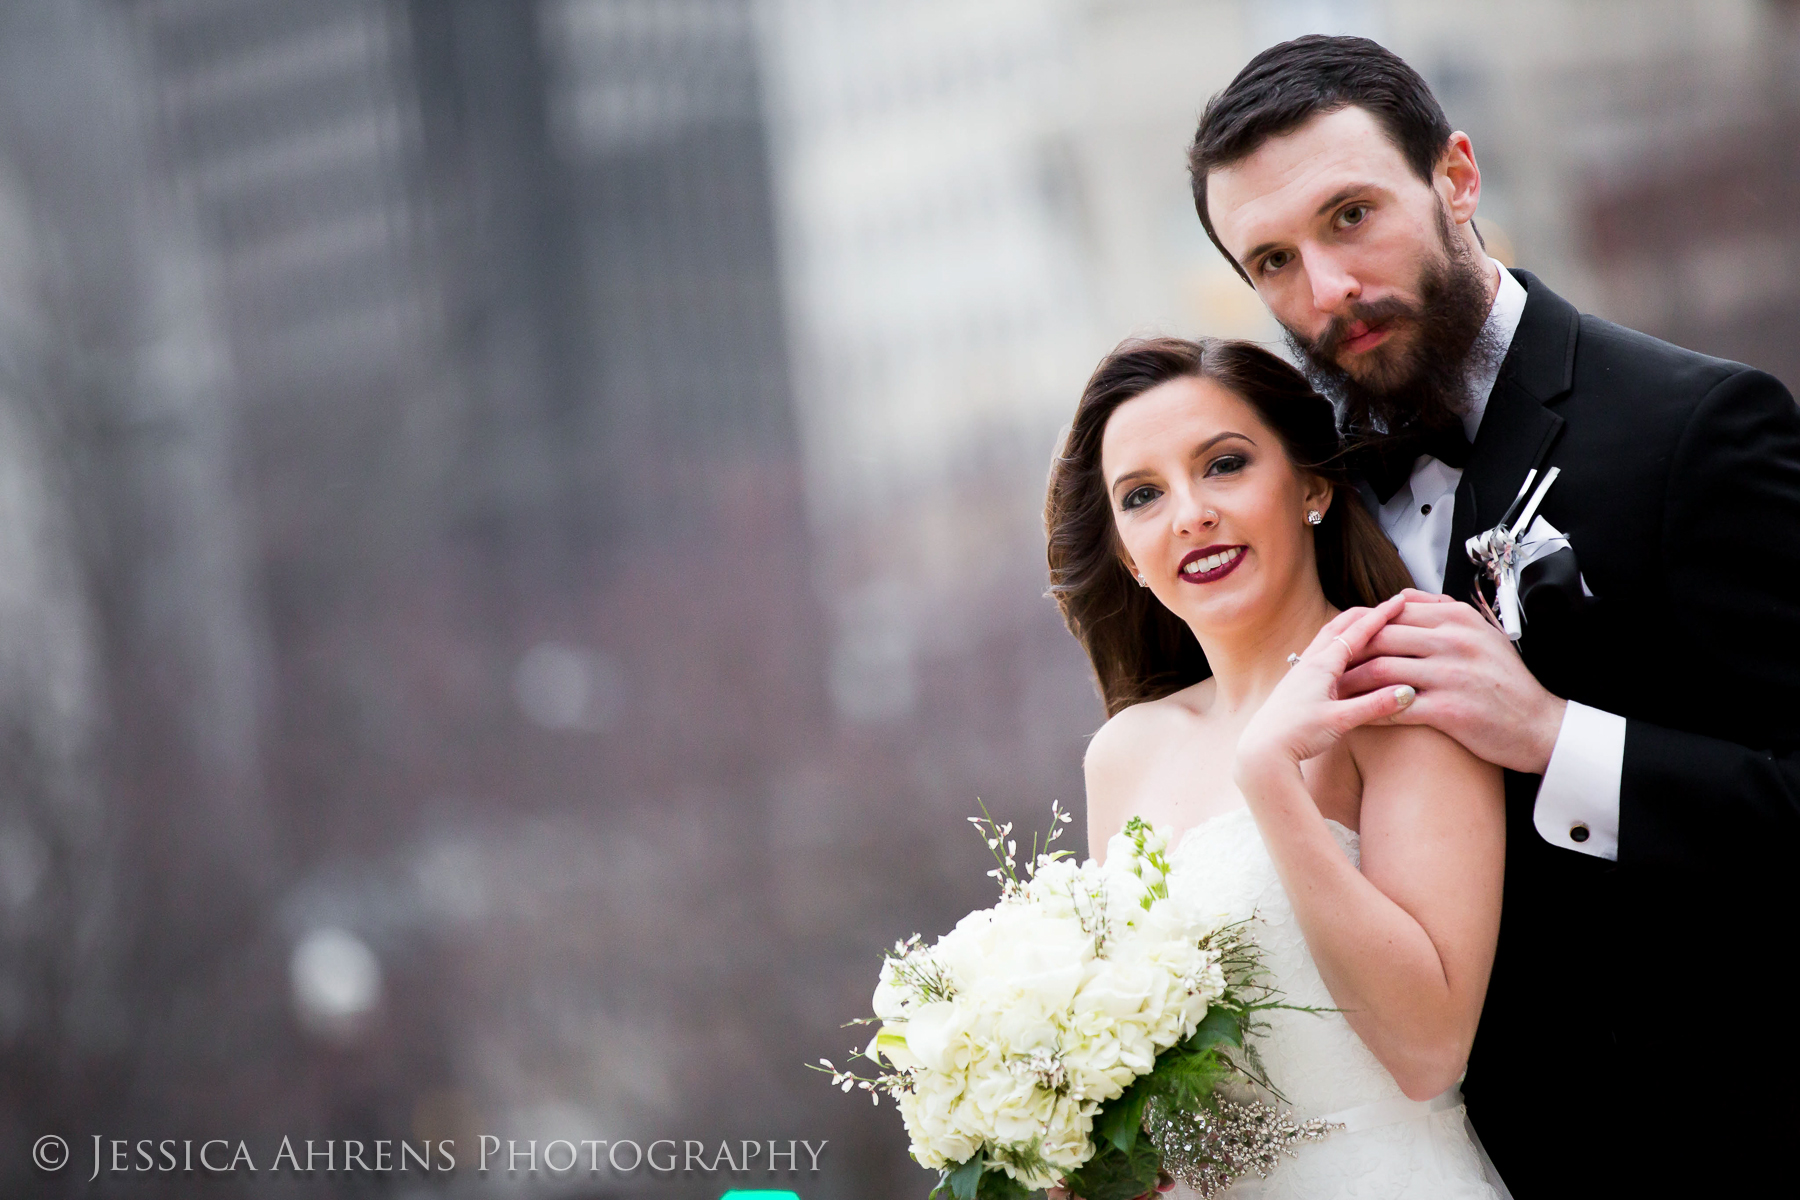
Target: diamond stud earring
{"type": "Point", "coordinates": [1142, 582]}
{"type": "Point", "coordinates": [1314, 516]}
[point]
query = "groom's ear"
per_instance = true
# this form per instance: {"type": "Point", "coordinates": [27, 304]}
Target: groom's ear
{"type": "Point", "coordinates": [1457, 179]}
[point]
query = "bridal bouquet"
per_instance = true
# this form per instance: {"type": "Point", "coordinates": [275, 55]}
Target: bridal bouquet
{"type": "Point", "coordinates": [1074, 1034]}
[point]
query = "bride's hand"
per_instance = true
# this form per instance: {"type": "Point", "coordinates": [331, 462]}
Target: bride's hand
{"type": "Point", "coordinates": [1163, 1184]}
{"type": "Point", "coordinates": [1303, 717]}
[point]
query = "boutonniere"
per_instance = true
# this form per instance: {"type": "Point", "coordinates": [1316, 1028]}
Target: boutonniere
{"type": "Point", "coordinates": [1522, 550]}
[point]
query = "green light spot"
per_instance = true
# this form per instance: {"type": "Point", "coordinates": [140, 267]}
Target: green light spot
{"type": "Point", "coordinates": [743, 1195]}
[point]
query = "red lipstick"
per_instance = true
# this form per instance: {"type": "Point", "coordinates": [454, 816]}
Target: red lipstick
{"type": "Point", "coordinates": [1233, 556]}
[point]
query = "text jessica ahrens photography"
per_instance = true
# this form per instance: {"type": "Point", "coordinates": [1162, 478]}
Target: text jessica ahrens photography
{"type": "Point", "coordinates": [556, 1156]}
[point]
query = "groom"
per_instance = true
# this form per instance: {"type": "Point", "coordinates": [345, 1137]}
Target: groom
{"type": "Point", "coordinates": [1636, 1038]}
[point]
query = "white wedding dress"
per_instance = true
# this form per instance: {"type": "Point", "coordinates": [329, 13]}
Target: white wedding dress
{"type": "Point", "coordinates": [1391, 1147]}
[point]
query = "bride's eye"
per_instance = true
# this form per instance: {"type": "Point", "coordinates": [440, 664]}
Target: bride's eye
{"type": "Point", "coordinates": [1226, 464]}
{"type": "Point", "coordinates": [1138, 497]}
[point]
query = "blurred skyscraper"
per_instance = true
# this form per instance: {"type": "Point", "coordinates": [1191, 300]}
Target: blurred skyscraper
{"type": "Point", "coordinates": [939, 297]}
{"type": "Point", "coordinates": [449, 575]}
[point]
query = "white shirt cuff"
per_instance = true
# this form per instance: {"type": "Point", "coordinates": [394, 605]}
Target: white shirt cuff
{"type": "Point", "coordinates": [1578, 802]}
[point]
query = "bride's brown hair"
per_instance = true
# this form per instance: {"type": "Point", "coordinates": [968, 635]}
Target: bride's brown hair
{"type": "Point", "coordinates": [1141, 650]}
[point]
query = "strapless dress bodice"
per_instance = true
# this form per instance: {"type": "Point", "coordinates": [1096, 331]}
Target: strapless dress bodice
{"type": "Point", "coordinates": [1221, 869]}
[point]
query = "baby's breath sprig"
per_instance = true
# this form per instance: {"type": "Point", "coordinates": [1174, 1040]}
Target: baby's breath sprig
{"type": "Point", "coordinates": [1059, 816]}
{"type": "Point", "coordinates": [891, 1082]}
{"type": "Point", "coordinates": [1005, 848]}
{"type": "Point", "coordinates": [1045, 1068]}
{"type": "Point", "coordinates": [915, 969]}
{"type": "Point", "coordinates": [1096, 921]}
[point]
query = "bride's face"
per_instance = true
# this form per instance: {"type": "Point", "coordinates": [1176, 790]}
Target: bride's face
{"type": "Point", "coordinates": [1208, 506]}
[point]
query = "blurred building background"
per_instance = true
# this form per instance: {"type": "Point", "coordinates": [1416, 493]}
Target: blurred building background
{"type": "Point", "coordinates": [519, 518]}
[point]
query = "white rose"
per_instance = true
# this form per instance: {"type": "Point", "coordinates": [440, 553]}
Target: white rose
{"type": "Point", "coordinates": [930, 1033]}
{"type": "Point", "coordinates": [928, 1112]}
{"type": "Point", "coordinates": [1012, 1109]}
{"type": "Point", "coordinates": [1117, 990]}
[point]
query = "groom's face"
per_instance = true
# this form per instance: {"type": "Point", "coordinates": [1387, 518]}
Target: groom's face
{"type": "Point", "coordinates": [1345, 243]}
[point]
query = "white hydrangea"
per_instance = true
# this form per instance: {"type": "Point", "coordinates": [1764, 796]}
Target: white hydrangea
{"type": "Point", "coordinates": [1014, 1028]}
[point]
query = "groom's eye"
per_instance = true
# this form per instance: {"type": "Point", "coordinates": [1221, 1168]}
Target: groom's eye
{"type": "Point", "coordinates": [1273, 261]}
{"type": "Point", "coordinates": [1353, 215]}
{"type": "Point", "coordinates": [1138, 497]}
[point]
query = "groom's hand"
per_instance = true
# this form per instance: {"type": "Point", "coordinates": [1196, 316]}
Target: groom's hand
{"type": "Point", "coordinates": [1164, 1183]}
{"type": "Point", "coordinates": [1470, 680]}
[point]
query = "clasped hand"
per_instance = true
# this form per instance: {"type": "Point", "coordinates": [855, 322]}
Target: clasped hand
{"type": "Point", "coordinates": [1310, 710]}
{"type": "Point", "coordinates": [1468, 677]}
{"type": "Point", "coordinates": [1163, 1184]}
{"type": "Point", "coordinates": [1416, 659]}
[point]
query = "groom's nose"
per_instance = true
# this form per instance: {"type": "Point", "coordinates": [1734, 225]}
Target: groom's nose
{"type": "Point", "coordinates": [1334, 285]}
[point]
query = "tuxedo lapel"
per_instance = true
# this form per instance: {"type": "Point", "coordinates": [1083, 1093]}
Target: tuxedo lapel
{"type": "Point", "coordinates": [1517, 430]}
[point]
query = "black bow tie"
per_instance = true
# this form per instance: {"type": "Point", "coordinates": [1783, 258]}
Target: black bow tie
{"type": "Point", "coordinates": [1387, 463]}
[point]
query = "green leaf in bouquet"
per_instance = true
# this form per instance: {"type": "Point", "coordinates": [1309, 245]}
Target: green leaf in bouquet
{"type": "Point", "coordinates": [1119, 1122]}
{"type": "Point", "coordinates": [998, 1185]}
{"type": "Point", "coordinates": [1115, 1174]}
{"type": "Point", "coordinates": [1220, 1027]}
{"type": "Point", "coordinates": [1188, 1081]}
{"type": "Point", "coordinates": [961, 1181]}
{"type": "Point", "coordinates": [1186, 1073]}
{"type": "Point", "coordinates": [971, 1181]}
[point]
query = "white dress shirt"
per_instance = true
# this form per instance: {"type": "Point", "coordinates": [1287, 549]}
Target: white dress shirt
{"type": "Point", "coordinates": [1578, 802]}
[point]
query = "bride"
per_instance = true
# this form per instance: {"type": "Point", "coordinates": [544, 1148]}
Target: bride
{"type": "Point", "coordinates": [1201, 535]}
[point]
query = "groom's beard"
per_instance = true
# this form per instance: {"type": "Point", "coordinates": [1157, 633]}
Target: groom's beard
{"type": "Point", "coordinates": [1421, 381]}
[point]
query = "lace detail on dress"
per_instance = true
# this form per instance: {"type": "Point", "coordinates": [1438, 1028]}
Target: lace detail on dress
{"type": "Point", "coordinates": [1221, 869]}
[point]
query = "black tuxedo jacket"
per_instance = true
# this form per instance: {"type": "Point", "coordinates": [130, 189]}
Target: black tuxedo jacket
{"type": "Point", "coordinates": [1636, 1037]}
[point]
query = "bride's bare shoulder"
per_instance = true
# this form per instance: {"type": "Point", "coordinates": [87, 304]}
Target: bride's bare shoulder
{"type": "Point", "coordinates": [1417, 750]}
{"type": "Point", "coordinates": [1115, 767]}
{"type": "Point", "coordinates": [1123, 755]}
{"type": "Point", "coordinates": [1130, 732]}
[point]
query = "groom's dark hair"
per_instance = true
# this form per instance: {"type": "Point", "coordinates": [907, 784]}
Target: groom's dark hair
{"type": "Point", "coordinates": [1287, 85]}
